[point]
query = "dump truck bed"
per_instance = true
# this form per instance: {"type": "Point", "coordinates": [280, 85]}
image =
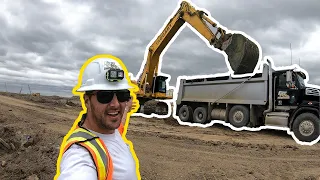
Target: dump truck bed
{"type": "Point", "coordinates": [226, 89]}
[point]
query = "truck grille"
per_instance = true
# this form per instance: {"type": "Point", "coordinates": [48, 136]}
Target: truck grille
{"type": "Point", "coordinates": [312, 91]}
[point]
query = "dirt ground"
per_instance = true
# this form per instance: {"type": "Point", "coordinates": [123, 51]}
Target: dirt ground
{"type": "Point", "coordinates": [33, 128]}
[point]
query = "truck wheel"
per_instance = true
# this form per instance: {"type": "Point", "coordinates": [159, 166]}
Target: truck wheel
{"type": "Point", "coordinates": [239, 116]}
{"type": "Point", "coordinates": [200, 115]}
{"type": "Point", "coordinates": [185, 113]}
{"type": "Point", "coordinates": [306, 127]}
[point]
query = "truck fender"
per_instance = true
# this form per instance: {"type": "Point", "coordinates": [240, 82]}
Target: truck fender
{"type": "Point", "coordinates": [299, 111]}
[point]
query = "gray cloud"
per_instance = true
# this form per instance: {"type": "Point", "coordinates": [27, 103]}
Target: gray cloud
{"type": "Point", "coordinates": [52, 40]}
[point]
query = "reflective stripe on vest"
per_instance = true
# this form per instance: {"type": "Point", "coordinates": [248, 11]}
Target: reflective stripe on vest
{"type": "Point", "coordinates": [121, 128]}
{"type": "Point", "coordinates": [97, 150]}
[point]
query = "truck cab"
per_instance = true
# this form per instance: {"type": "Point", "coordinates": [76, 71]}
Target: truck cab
{"type": "Point", "coordinates": [301, 102]}
{"type": "Point", "coordinates": [289, 89]}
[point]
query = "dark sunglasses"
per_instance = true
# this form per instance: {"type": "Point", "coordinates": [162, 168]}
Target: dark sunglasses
{"type": "Point", "coordinates": [105, 97]}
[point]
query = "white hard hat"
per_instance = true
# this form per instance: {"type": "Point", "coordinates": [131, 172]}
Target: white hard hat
{"type": "Point", "coordinates": [95, 75]}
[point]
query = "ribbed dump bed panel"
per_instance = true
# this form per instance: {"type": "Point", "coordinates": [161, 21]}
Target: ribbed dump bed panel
{"type": "Point", "coordinates": [226, 90]}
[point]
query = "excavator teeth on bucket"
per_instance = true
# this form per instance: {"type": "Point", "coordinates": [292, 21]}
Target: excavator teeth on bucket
{"type": "Point", "coordinates": [243, 54]}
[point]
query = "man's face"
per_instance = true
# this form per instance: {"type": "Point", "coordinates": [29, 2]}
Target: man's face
{"type": "Point", "coordinates": [106, 116]}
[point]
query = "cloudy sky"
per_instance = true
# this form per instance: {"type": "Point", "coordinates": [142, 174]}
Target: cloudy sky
{"type": "Point", "coordinates": [46, 42]}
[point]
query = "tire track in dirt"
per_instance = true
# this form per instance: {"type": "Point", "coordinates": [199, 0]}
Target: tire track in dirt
{"type": "Point", "coordinates": [229, 155]}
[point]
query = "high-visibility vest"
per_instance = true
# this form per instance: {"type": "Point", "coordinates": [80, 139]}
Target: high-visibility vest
{"type": "Point", "coordinates": [96, 148]}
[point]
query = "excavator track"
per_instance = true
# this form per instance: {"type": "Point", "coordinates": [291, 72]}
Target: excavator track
{"type": "Point", "coordinates": [243, 54]}
{"type": "Point", "coordinates": [157, 107]}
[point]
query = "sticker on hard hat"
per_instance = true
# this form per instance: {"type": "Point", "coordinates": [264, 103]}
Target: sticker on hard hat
{"type": "Point", "coordinates": [110, 65]}
{"type": "Point", "coordinates": [114, 73]}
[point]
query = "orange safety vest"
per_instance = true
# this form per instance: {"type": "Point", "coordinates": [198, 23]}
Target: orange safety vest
{"type": "Point", "coordinates": [96, 148]}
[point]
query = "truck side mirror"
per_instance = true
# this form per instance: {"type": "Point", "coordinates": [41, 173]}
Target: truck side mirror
{"type": "Point", "coordinates": [289, 76]}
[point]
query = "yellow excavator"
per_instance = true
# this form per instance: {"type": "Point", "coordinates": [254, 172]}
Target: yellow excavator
{"type": "Point", "coordinates": [243, 56]}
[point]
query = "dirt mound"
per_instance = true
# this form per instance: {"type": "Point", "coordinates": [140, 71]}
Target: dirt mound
{"type": "Point", "coordinates": [26, 152]}
{"type": "Point", "coordinates": [47, 100]}
{"type": "Point", "coordinates": [170, 121]}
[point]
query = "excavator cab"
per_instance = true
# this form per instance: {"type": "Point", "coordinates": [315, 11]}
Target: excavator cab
{"type": "Point", "coordinates": [159, 85]}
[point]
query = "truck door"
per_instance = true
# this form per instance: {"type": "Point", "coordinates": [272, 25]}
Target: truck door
{"type": "Point", "coordinates": [286, 94]}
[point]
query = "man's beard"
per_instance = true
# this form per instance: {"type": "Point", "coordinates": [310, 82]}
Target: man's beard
{"type": "Point", "coordinates": [102, 122]}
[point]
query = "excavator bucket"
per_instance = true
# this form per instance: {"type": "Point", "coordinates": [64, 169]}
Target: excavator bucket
{"type": "Point", "coordinates": [243, 54]}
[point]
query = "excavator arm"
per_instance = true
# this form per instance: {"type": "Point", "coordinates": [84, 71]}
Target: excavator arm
{"type": "Point", "coordinates": [242, 53]}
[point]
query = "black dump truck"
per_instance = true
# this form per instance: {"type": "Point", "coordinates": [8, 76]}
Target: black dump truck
{"type": "Point", "coordinates": [278, 98]}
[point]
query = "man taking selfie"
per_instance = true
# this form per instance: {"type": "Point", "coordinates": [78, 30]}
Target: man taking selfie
{"type": "Point", "coordinates": [95, 149]}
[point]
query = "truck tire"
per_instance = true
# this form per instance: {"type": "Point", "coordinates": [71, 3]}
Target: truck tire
{"type": "Point", "coordinates": [200, 115]}
{"type": "Point", "coordinates": [239, 116]}
{"type": "Point", "coordinates": [185, 113]}
{"type": "Point", "coordinates": [306, 127]}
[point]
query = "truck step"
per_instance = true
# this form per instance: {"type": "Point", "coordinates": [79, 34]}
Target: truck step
{"type": "Point", "coordinates": [277, 119]}
{"type": "Point", "coordinates": [280, 114]}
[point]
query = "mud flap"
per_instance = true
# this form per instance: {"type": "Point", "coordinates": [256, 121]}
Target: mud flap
{"type": "Point", "coordinates": [209, 109]}
{"type": "Point", "coordinates": [253, 118]}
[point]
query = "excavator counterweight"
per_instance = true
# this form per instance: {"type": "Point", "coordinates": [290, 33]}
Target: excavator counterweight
{"type": "Point", "coordinates": [242, 54]}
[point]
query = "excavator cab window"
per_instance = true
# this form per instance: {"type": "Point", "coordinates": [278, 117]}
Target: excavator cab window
{"type": "Point", "coordinates": [160, 84]}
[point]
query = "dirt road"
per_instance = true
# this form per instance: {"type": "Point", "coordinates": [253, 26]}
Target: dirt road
{"type": "Point", "coordinates": [165, 150]}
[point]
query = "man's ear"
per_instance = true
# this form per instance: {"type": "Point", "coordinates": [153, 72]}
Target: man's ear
{"type": "Point", "coordinates": [129, 104]}
{"type": "Point", "coordinates": [86, 100]}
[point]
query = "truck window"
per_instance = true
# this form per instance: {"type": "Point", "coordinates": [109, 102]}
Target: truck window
{"type": "Point", "coordinates": [300, 81]}
{"type": "Point", "coordinates": [282, 80]}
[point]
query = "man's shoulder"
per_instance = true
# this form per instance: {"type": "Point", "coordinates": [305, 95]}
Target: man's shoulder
{"type": "Point", "coordinates": [75, 149]}
{"type": "Point", "coordinates": [77, 161]}
{"type": "Point", "coordinates": [77, 155]}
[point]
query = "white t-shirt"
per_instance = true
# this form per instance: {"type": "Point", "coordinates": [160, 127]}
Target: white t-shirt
{"type": "Point", "coordinates": [77, 164]}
